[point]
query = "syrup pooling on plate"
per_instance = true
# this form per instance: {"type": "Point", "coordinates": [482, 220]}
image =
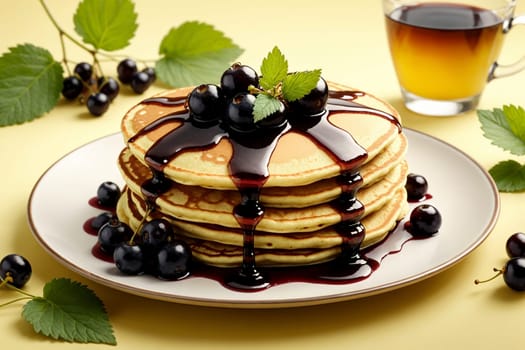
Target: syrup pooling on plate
{"type": "Point", "coordinates": [249, 171]}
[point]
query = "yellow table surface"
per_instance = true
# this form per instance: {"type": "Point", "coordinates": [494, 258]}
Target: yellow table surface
{"type": "Point", "coordinates": [344, 38]}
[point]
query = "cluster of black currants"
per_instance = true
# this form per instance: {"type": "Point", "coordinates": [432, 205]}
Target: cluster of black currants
{"type": "Point", "coordinates": [514, 270]}
{"type": "Point", "coordinates": [425, 219]}
{"type": "Point", "coordinates": [99, 91]}
{"type": "Point", "coordinates": [154, 249]}
{"type": "Point", "coordinates": [232, 103]}
{"type": "Point", "coordinates": [15, 270]}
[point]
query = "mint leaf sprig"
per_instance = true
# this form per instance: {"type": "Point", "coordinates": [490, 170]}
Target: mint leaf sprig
{"type": "Point", "coordinates": [31, 80]}
{"type": "Point", "coordinates": [278, 85]}
{"type": "Point", "coordinates": [68, 311]}
{"type": "Point", "coordinates": [505, 127]}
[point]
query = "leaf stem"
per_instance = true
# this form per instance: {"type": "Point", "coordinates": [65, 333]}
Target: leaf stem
{"type": "Point", "coordinates": [63, 34]}
{"type": "Point", "coordinates": [15, 300]}
{"type": "Point", "coordinates": [6, 283]}
{"type": "Point", "coordinates": [62, 31]}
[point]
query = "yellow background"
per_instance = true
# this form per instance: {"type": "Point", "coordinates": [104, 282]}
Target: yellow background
{"type": "Point", "coordinates": [344, 38]}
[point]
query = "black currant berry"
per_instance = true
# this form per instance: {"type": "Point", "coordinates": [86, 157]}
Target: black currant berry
{"type": "Point", "coordinates": [108, 194]}
{"type": "Point", "coordinates": [274, 120]}
{"type": "Point", "coordinates": [140, 82]}
{"type": "Point", "coordinates": [16, 268]}
{"type": "Point", "coordinates": [240, 113]}
{"type": "Point", "coordinates": [514, 273]}
{"type": "Point", "coordinates": [515, 245]}
{"type": "Point", "coordinates": [156, 232]}
{"type": "Point", "coordinates": [109, 86]}
{"type": "Point", "coordinates": [84, 70]}
{"type": "Point", "coordinates": [173, 261]}
{"type": "Point", "coordinates": [313, 103]}
{"type": "Point", "coordinates": [206, 102]}
{"type": "Point", "coordinates": [72, 87]}
{"type": "Point", "coordinates": [416, 187]}
{"type": "Point", "coordinates": [237, 79]}
{"type": "Point", "coordinates": [425, 220]}
{"type": "Point", "coordinates": [129, 258]}
{"type": "Point", "coordinates": [125, 70]}
{"type": "Point", "coordinates": [112, 234]}
{"type": "Point", "coordinates": [97, 103]}
{"type": "Point", "coordinates": [100, 220]}
{"type": "Point", "coordinates": [151, 72]}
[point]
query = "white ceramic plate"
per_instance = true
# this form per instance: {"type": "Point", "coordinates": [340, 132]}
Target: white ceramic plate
{"type": "Point", "coordinates": [462, 191]}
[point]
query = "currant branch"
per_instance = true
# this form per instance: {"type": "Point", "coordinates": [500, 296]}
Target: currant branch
{"type": "Point", "coordinates": [88, 83]}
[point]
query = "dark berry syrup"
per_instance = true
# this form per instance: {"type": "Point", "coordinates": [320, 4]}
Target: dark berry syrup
{"type": "Point", "coordinates": [249, 171]}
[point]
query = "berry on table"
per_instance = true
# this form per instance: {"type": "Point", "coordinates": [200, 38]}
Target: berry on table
{"type": "Point", "coordinates": [72, 87]}
{"type": "Point", "coordinates": [97, 103]}
{"type": "Point", "coordinates": [151, 72]}
{"type": "Point", "coordinates": [84, 70]}
{"type": "Point", "coordinates": [15, 269]}
{"type": "Point", "coordinates": [515, 245]}
{"type": "Point", "coordinates": [125, 70]}
{"type": "Point", "coordinates": [141, 81]}
{"type": "Point", "coordinates": [513, 274]}
{"type": "Point", "coordinates": [109, 86]}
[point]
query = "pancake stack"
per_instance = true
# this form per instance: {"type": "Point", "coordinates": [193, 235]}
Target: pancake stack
{"type": "Point", "coordinates": [301, 220]}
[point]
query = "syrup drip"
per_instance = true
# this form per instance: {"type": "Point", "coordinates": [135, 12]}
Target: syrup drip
{"type": "Point", "coordinates": [333, 272]}
{"type": "Point", "coordinates": [186, 137]}
{"type": "Point", "coordinates": [249, 171]}
{"type": "Point", "coordinates": [344, 100]}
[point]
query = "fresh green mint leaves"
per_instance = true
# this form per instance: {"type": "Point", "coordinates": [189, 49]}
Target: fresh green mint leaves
{"type": "Point", "coordinates": [31, 80]}
{"type": "Point", "coordinates": [279, 85]}
{"type": "Point", "coordinates": [505, 127]}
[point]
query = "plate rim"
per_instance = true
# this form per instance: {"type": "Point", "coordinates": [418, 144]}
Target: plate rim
{"type": "Point", "coordinates": [298, 302]}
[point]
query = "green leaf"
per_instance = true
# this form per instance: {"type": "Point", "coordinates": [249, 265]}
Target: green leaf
{"type": "Point", "coordinates": [193, 53]}
{"type": "Point", "coordinates": [30, 84]}
{"type": "Point", "coordinates": [299, 84]}
{"type": "Point", "coordinates": [496, 128]}
{"type": "Point", "coordinates": [516, 120]}
{"type": "Point", "coordinates": [69, 311]}
{"type": "Point", "coordinates": [509, 176]}
{"type": "Point", "coordinates": [265, 105]}
{"type": "Point", "coordinates": [274, 69]}
{"type": "Point", "coordinates": [106, 24]}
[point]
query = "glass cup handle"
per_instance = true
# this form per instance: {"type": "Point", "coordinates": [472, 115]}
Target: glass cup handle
{"type": "Point", "coordinates": [498, 70]}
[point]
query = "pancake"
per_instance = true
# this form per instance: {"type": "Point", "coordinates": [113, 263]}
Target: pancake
{"type": "Point", "coordinates": [136, 173]}
{"type": "Point", "coordinates": [301, 188]}
{"type": "Point", "coordinates": [199, 204]}
{"type": "Point", "coordinates": [296, 160]}
{"type": "Point", "coordinates": [220, 246]}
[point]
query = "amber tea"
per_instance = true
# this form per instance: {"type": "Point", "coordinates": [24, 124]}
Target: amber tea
{"type": "Point", "coordinates": [443, 51]}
